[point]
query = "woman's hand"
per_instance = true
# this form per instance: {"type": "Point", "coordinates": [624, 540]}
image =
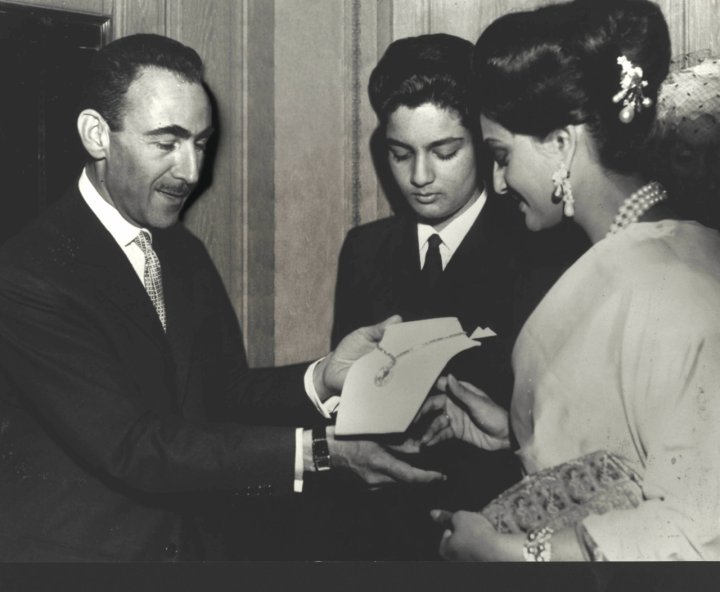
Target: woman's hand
{"type": "Point", "coordinates": [468, 536]}
{"type": "Point", "coordinates": [467, 413]}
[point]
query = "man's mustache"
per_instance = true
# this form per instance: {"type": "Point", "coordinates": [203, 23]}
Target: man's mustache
{"type": "Point", "coordinates": [179, 190]}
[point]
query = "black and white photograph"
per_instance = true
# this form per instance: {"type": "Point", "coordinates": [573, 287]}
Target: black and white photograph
{"type": "Point", "coordinates": [360, 285]}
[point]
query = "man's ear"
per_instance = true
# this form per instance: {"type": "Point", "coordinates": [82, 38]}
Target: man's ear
{"type": "Point", "coordinates": [94, 133]}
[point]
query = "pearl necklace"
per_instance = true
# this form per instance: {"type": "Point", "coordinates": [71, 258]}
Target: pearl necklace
{"type": "Point", "coordinates": [637, 204]}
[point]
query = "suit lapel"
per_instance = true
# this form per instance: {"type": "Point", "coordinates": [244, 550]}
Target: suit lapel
{"type": "Point", "coordinates": [476, 279]}
{"type": "Point", "coordinates": [179, 310]}
{"type": "Point", "coordinates": [473, 253]}
{"type": "Point", "coordinates": [106, 268]}
{"type": "Point", "coordinates": [404, 271]}
{"type": "Point", "coordinates": [465, 281]}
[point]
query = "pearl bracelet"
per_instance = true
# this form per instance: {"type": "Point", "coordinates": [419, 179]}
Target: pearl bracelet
{"type": "Point", "coordinates": [537, 547]}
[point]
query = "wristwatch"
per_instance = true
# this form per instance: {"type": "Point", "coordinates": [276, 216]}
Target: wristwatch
{"type": "Point", "coordinates": [320, 450]}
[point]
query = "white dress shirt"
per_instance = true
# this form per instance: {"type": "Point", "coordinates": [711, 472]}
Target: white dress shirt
{"type": "Point", "coordinates": [124, 233]}
{"type": "Point", "coordinates": [452, 235]}
{"type": "Point", "coordinates": [120, 229]}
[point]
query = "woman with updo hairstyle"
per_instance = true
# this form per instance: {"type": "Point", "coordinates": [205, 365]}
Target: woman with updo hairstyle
{"type": "Point", "coordinates": [616, 399]}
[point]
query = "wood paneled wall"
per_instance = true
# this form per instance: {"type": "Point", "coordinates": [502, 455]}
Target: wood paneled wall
{"type": "Point", "coordinates": [308, 243]}
{"type": "Point", "coordinates": [293, 171]}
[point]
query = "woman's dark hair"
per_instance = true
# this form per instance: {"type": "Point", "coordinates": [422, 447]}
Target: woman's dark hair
{"type": "Point", "coordinates": [114, 68]}
{"type": "Point", "coordinates": [433, 69]}
{"type": "Point", "coordinates": [557, 65]}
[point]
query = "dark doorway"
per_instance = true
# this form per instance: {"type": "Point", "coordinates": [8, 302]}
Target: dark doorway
{"type": "Point", "coordinates": [43, 54]}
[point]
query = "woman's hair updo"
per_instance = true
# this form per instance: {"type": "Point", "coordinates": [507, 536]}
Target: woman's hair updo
{"type": "Point", "coordinates": [541, 70]}
{"type": "Point", "coordinates": [433, 69]}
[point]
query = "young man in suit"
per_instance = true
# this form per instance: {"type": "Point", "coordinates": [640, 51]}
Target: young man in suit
{"type": "Point", "coordinates": [449, 251]}
{"type": "Point", "coordinates": [119, 346]}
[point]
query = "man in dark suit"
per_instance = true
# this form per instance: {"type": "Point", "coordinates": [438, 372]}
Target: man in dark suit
{"type": "Point", "coordinates": [124, 385]}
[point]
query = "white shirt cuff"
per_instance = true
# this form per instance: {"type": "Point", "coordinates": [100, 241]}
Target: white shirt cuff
{"type": "Point", "coordinates": [299, 466]}
{"type": "Point", "coordinates": [328, 407]}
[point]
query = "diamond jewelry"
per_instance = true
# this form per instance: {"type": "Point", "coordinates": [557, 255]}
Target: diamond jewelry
{"type": "Point", "coordinates": [637, 204]}
{"type": "Point", "coordinates": [383, 375]}
{"type": "Point", "coordinates": [563, 190]}
{"type": "Point", "coordinates": [537, 546]}
{"type": "Point", "coordinates": [631, 90]}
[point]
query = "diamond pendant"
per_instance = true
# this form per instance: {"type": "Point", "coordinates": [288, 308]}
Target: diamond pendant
{"type": "Point", "coordinates": [383, 376]}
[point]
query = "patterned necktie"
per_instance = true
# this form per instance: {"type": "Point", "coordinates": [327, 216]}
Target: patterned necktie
{"type": "Point", "coordinates": [153, 275]}
{"type": "Point", "coordinates": [432, 269]}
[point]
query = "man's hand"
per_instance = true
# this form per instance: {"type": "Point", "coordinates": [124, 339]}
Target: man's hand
{"type": "Point", "coordinates": [373, 463]}
{"type": "Point", "coordinates": [467, 413]}
{"type": "Point", "coordinates": [330, 373]}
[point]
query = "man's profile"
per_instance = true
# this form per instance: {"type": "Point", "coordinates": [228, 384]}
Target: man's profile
{"type": "Point", "coordinates": [124, 387]}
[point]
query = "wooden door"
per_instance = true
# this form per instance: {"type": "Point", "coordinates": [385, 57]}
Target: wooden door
{"type": "Point", "coordinates": [44, 53]}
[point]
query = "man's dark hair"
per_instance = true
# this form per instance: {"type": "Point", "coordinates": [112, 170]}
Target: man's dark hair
{"type": "Point", "coordinates": [114, 68]}
{"type": "Point", "coordinates": [425, 69]}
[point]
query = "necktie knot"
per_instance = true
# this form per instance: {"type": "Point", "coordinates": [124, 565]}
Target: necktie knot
{"type": "Point", "coordinates": [144, 241]}
{"type": "Point", "coordinates": [152, 277]}
{"type": "Point", "coordinates": [434, 241]}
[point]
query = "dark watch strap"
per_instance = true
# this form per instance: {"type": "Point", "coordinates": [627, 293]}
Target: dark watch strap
{"type": "Point", "coordinates": [320, 450]}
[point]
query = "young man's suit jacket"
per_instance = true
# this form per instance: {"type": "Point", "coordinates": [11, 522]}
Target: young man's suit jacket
{"type": "Point", "coordinates": [379, 275]}
{"type": "Point", "coordinates": [104, 434]}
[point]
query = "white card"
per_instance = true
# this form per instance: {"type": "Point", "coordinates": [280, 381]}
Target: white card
{"type": "Point", "coordinates": [382, 397]}
{"type": "Point", "coordinates": [481, 333]}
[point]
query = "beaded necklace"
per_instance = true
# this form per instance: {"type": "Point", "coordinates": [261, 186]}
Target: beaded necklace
{"type": "Point", "coordinates": [636, 205]}
{"type": "Point", "coordinates": [383, 375]}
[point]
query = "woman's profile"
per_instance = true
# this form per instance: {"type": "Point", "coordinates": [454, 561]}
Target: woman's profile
{"type": "Point", "coordinates": [620, 357]}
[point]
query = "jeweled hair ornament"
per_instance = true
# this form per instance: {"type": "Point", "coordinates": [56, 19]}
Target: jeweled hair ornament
{"type": "Point", "coordinates": [631, 90]}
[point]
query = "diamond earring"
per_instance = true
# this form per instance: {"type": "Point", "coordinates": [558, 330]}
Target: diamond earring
{"type": "Point", "coordinates": [563, 190]}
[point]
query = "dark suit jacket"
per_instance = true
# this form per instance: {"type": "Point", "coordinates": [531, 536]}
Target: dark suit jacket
{"type": "Point", "coordinates": [104, 434]}
{"type": "Point", "coordinates": [379, 275]}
